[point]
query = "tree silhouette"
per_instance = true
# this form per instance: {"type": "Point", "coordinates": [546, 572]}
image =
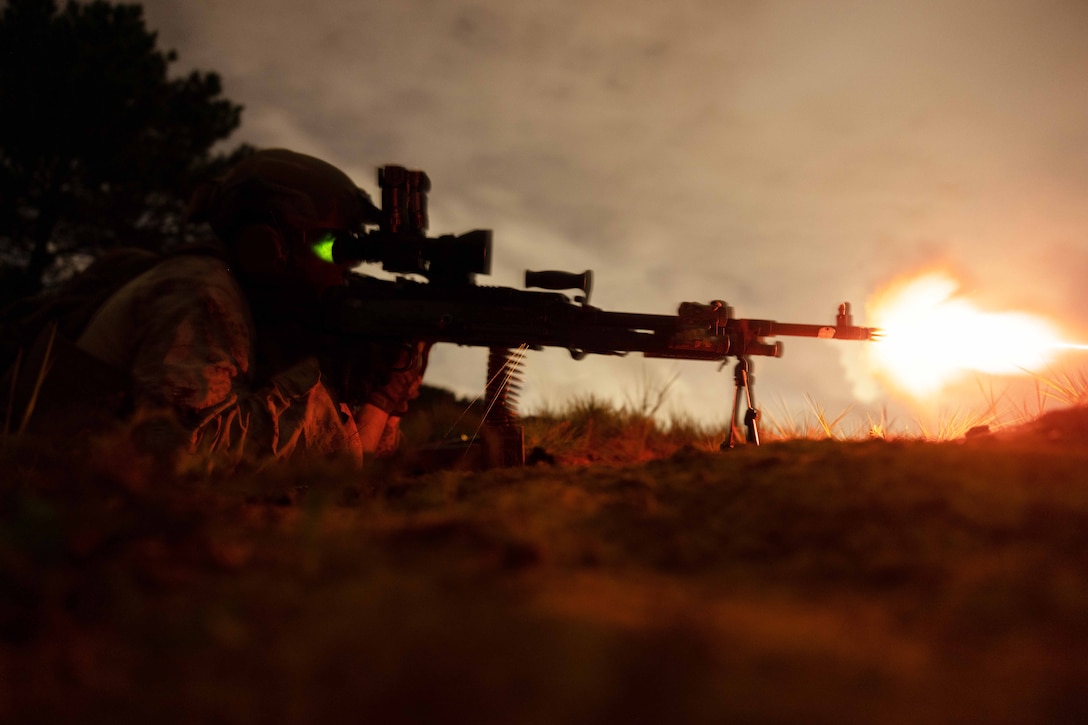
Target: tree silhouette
{"type": "Point", "coordinates": [98, 147]}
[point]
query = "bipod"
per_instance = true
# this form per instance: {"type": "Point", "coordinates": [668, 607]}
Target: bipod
{"type": "Point", "coordinates": [751, 417]}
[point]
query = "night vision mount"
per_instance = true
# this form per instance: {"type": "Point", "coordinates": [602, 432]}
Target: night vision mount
{"type": "Point", "coordinates": [400, 243]}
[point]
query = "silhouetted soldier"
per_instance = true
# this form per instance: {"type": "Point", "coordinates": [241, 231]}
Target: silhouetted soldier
{"type": "Point", "coordinates": [228, 337]}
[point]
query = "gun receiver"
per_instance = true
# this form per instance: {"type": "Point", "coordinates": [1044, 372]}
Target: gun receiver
{"type": "Point", "coordinates": [449, 307]}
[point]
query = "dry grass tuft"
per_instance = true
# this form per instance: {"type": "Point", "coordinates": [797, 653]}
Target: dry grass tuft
{"type": "Point", "coordinates": [1065, 388]}
{"type": "Point", "coordinates": [589, 429]}
{"type": "Point", "coordinates": [813, 424]}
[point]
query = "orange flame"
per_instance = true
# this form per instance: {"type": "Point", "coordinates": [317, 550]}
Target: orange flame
{"type": "Point", "coordinates": [933, 337]}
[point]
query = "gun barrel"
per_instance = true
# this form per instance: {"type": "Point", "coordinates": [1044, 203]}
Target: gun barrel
{"type": "Point", "coordinates": [505, 317]}
{"type": "Point", "coordinates": [830, 332]}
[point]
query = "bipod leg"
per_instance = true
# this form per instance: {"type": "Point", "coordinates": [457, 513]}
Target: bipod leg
{"type": "Point", "coordinates": [731, 441]}
{"type": "Point", "coordinates": [751, 416]}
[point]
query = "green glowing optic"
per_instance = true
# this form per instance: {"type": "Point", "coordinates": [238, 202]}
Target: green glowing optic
{"type": "Point", "coordinates": [323, 247]}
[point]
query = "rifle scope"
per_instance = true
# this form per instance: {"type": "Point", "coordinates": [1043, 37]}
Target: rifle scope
{"type": "Point", "coordinates": [447, 258]}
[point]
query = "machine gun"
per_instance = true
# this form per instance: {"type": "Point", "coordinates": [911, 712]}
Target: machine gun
{"type": "Point", "coordinates": [451, 307]}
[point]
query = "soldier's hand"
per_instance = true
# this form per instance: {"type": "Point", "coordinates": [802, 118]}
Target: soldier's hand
{"type": "Point", "coordinates": [402, 380]}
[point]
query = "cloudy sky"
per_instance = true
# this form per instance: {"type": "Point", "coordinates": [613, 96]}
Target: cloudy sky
{"type": "Point", "coordinates": [781, 155]}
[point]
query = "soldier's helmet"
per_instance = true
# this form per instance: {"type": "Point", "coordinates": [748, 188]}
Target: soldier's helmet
{"type": "Point", "coordinates": [297, 199]}
{"type": "Point", "coordinates": [287, 188]}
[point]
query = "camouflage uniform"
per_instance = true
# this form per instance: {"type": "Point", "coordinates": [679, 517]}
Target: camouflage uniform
{"type": "Point", "coordinates": [184, 332]}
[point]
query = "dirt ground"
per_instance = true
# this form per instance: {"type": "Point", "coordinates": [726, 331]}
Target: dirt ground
{"type": "Point", "coordinates": [865, 582]}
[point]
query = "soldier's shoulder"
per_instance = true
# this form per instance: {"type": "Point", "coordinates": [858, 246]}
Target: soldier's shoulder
{"type": "Point", "coordinates": [195, 263]}
{"type": "Point", "coordinates": [193, 272]}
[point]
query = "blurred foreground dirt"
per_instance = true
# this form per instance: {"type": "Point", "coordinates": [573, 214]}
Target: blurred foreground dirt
{"type": "Point", "coordinates": [890, 582]}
